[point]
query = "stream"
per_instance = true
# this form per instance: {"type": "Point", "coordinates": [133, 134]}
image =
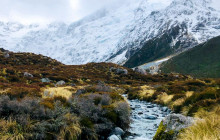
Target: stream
{"type": "Point", "coordinates": [146, 118]}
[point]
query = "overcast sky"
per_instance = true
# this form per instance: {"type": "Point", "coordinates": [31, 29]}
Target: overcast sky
{"type": "Point", "coordinates": [28, 11]}
{"type": "Point", "coordinates": [31, 11]}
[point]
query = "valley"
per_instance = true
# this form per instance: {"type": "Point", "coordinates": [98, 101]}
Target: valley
{"type": "Point", "coordinates": [38, 94]}
{"type": "Point", "coordinates": [129, 70]}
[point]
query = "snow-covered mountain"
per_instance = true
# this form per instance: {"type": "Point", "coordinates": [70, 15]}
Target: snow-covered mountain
{"type": "Point", "coordinates": [116, 33]}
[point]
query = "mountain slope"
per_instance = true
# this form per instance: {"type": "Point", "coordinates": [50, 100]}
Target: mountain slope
{"type": "Point", "coordinates": [200, 61]}
{"type": "Point", "coordinates": [116, 34]}
{"type": "Point", "coordinates": [162, 47]}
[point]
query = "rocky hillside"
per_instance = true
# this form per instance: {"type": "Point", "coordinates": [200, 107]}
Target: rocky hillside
{"type": "Point", "coordinates": [41, 98]}
{"type": "Point", "coordinates": [200, 61]}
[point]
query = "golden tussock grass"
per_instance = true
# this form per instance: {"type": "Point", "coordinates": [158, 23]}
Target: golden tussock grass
{"type": "Point", "coordinates": [181, 100]}
{"type": "Point", "coordinates": [178, 102]}
{"type": "Point", "coordinates": [189, 93]}
{"type": "Point", "coordinates": [3, 91]}
{"type": "Point", "coordinates": [164, 98]}
{"type": "Point", "coordinates": [206, 128]}
{"type": "Point", "coordinates": [146, 91]}
{"type": "Point", "coordinates": [59, 91]}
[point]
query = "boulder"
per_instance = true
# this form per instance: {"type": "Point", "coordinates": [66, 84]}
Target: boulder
{"type": "Point", "coordinates": [60, 83]}
{"type": "Point", "coordinates": [177, 122]}
{"type": "Point", "coordinates": [26, 74]}
{"type": "Point", "coordinates": [164, 109]}
{"type": "Point", "coordinates": [140, 70]}
{"type": "Point", "coordinates": [137, 106]}
{"type": "Point", "coordinates": [150, 106]}
{"type": "Point", "coordinates": [118, 131]}
{"type": "Point", "coordinates": [114, 137]}
{"type": "Point", "coordinates": [150, 117]}
{"type": "Point", "coordinates": [72, 85]}
{"type": "Point", "coordinates": [80, 91]}
{"type": "Point", "coordinates": [119, 71]}
{"type": "Point", "coordinates": [172, 125]}
{"type": "Point", "coordinates": [6, 54]}
{"type": "Point", "coordinates": [45, 80]}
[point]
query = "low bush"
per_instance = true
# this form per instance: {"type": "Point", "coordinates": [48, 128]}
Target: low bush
{"type": "Point", "coordinates": [209, 93]}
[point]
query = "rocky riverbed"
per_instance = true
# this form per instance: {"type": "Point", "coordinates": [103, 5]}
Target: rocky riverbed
{"type": "Point", "coordinates": [146, 118]}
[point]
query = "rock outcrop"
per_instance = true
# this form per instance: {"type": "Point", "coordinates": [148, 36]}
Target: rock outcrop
{"type": "Point", "coordinates": [171, 126]}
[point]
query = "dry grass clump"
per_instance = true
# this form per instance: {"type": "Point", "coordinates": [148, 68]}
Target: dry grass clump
{"type": "Point", "coordinates": [164, 98]}
{"type": "Point", "coordinates": [206, 128]}
{"type": "Point", "coordinates": [10, 130]}
{"type": "Point", "coordinates": [59, 91]}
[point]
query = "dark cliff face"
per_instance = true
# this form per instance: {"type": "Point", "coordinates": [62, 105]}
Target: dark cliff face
{"type": "Point", "coordinates": [168, 43]}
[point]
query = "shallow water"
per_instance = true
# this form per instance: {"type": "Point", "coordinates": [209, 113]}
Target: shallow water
{"type": "Point", "coordinates": [146, 118]}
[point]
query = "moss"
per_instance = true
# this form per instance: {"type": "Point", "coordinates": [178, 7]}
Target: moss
{"type": "Point", "coordinates": [161, 133]}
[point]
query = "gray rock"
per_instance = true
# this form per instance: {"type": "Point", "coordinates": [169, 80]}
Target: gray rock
{"type": "Point", "coordinates": [140, 70]}
{"type": "Point", "coordinates": [137, 106]}
{"type": "Point", "coordinates": [6, 54]}
{"type": "Point", "coordinates": [60, 83]}
{"type": "Point", "coordinates": [119, 71]}
{"type": "Point", "coordinates": [154, 114]}
{"type": "Point", "coordinates": [45, 80]}
{"type": "Point", "coordinates": [164, 109]}
{"type": "Point", "coordinates": [113, 137]}
{"type": "Point", "coordinates": [140, 113]}
{"type": "Point", "coordinates": [46, 93]}
{"type": "Point", "coordinates": [26, 74]}
{"type": "Point", "coordinates": [177, 122]}
{"type": "Point", "coordinates": [150, 117]}
{"type": "Point", "coordinates": [137, 117]}
{"type": "Point", "coordinates": [118, 131]}
{"type": "Point", "coordinates": [150, 106]}
{"type": "Point", "coordinates": [72, 85]}
{"type": "Point", "coordinates": [80, 91]}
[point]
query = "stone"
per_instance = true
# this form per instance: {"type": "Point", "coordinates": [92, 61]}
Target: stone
{"type": "Point", "coordinates": [118, 131]}
{"type": "Point", "coordinates": [26, 74]}
{"type": "Point", "coordinates": [60, 83]}
{"type": "Point", "coordinates": [72, 85]}
{"type": "Point", "coordinates": [113, 137]}
{"type": "Point", "coordinates": [150, 106]}
{"type": "Point", "coordinates": [164, 109]}
{"type": "Point", "coordinates": [140, 113]}
{"type": "Point", "coordinates": [137, 106]}
{"type": "Point", "coordinates": [119, 71]}
{"type": "Point", "coordinates": [80, 91]}
{"type": "Point", "coordinates": [150, 117]}
{"type": "Point", "coordinates": [46, 93]}
{"type": "Point", "coordinates": [155, 115]}
{"type": "Point", "coordinates": [6, 54]}
{"type": "Point", "coordinates": [140, 70]}
{"type": "Point", "coordinates": [45, 80]}
{"type": "Point", "coordinates": [177, 122]}
{"type": "Point", "coordinates": [137, 117]}
{"type": "Point", "coordinates": [172, 125]}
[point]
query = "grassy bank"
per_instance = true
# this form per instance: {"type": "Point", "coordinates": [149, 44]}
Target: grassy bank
{"type": "Point", "coordinates": [199, 98]}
